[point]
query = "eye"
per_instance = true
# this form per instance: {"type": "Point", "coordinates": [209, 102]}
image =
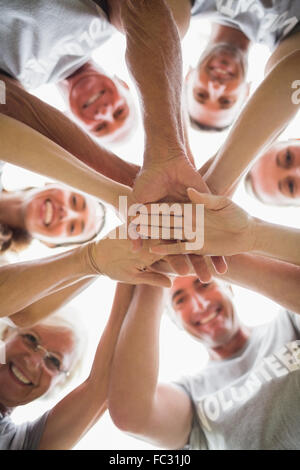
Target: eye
{"type": "Point", "coordinates": [74, 201]}
{"type": "Point", "coordinates": [72, 227]}
{"type": "Point", "coordinates": [30, 340]}
{"type": "Point", "coordinates": [225, 101]}
{"type": "Point", "coordinates": [52, 363]}
{"type": "Point", "coordinates": [102, 126]}
{"type": "Point", "coordinates": [288, 158]}
{"type": "Point", "coordinates": [180, 300]}
{"type": "Point", "coordinates": [291, 186]}
{"type": "Point", "coordinates": [119, 113]}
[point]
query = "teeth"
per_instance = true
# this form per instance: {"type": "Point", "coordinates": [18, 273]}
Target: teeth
{"type": "Point", "coordinates": [93, 98]}
{"type": "Point", "coordinates": [17, 373]}
{"type": "Point", "coordinates": [48, 213]}
{"type": "Point", "coordinates": [209, 318]}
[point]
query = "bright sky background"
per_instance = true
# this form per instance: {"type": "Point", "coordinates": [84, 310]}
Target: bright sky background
{"type": "Point", "coordinates": [93, 306]}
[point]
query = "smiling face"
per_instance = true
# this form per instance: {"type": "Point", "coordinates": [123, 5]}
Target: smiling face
{"type": "Point", "coordinates": [57, 215]}
{"type": "Point", "coordinates": [216, 89]}
{"type": "Point", "coordinates": [25, 377]}
{"type": "Point", "coordinates": [205, 311]}
{"type": "Point", "coordinates": [103, 105]}
{"type": "Point", "coordinates": [275, 178]}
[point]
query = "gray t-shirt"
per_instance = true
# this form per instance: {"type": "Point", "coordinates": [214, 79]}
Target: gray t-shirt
{"type": "Point", "coordinates": [46, 41]}
{"type": "Point", "coordinates": [251, 401]}
{"type": "Point", "coordinates": [23, 437]}
{"type": "Point", "coordinates": [262, 21]}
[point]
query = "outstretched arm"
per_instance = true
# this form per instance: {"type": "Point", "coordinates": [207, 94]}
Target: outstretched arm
{"type": "Point", "coordinates": [41, 309]}
{"type": "Point", "coordinates": [265, 116]}
{"type": "Point", "coordinates": [23, 284]}
{"type": "Point", "coordinates": [25, 147]}
{"type": "Point", "coordinates": [229, 230]}
{"type": "Point", "coordinates": [73, 416]}
{"type": "Point", "coordinates": [53, 124]}
{"type": "Point", "coordinates": [158, 413]}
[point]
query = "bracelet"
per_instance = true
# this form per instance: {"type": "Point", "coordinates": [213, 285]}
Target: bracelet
{"type": "Point", "coordinates": [92, 261]}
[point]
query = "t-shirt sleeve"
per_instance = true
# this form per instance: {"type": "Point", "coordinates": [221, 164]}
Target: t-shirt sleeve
{"type": "Point", "coordinates": [197, 439]}
{"type": "Point", "coordinates": [295, 318]}
{"type": "Point", "coordinates": [27, 436]}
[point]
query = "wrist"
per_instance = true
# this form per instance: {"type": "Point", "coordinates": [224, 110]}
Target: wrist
{"type": "Point", "coordinates": [258, 235]}
{"type": "Point", "coordinates": [87, 259]}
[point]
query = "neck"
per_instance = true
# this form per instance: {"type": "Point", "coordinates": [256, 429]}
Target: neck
{"type": "Point", "coordinates": [232, 36]}
{"type": "Point", "coordinates": [234, 345]}
{"type": "Point", "coordinates": [4, 410]}
{"type": "Point", "coordinates": [12, 209]}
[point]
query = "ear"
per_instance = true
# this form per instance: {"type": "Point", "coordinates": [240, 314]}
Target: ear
{"type": "Point", "coordinates": [6, 332]}
{"type": "Point", "coordinates": [248, 89]}
{"type": "Point", "coordinates": [121, 82]}
{"type": "Point", "coordinates": [188, 74]}
{"type": "Point", "coordinates": [49, 245]}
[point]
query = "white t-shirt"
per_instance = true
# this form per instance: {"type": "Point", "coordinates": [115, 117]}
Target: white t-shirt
{"type": "Point", "coordinates": [250, 401]}
{"type": "Point", "coordinates": [46, 41]}
{"type": "Point", "coordinates": [262, 21]}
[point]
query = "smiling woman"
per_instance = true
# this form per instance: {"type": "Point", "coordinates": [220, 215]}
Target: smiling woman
{"type": "Point", "coordinates": [55, 215]}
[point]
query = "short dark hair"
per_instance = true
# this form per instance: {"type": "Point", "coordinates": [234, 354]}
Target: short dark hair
{"type": "Point", "coordinates": [205, 127]}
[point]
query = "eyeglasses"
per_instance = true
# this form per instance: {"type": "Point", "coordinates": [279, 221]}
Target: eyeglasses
{"type": "Point", "coordinates": [52, 363]}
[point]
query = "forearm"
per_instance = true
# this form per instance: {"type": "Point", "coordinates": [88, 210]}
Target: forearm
{"type": "Point", "coordinates": [23, 146]}
{"type": "Point", "coordinates": [53, 124]}
{"type": "Point", "coordinates": [276, 241]}
{"type": "Point", "coordinates": [23, 284]}
{"type": "Point", "coordinates": [253, 132]}
{"type": "Point", "coordinates": [134, 370]}
{"type": "Point", "coordinates": [153, 56]}
{"type": "Point", "coordinates": [41, 309]}
{"type": "Point", "coordinates": [80, 410]}
{"type": "Point", "coordinates": [274, 279]}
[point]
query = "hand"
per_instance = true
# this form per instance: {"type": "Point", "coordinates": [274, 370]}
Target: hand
{"type": "Point", "coordinates": [115, 259]}
{"type": "Point", "coordinates": [168, 182]}
{"type": "Point", "coordinates": [228, 229]}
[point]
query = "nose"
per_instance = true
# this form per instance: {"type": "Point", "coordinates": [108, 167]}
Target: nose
{"type": "Point", "coordinates": [216, 89]}
{"type": "Point", "coordinates": [199, 303]}
{"type": "Point", "coordinates": [66, 213]}
{"type": "Point", "coordinates": [104, 111]}
{"type": "Point", "coordinates": [34, 360]}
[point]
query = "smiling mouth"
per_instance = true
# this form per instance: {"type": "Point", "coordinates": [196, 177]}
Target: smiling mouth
{"type": "Point", "coordinates": [93, 98]}
{"type": "Point", "coordinates": [20, 377]}
{"type": "Point", "coordinates": [210, 317]}
{"type": "Point", "coordinates": [49, 213]}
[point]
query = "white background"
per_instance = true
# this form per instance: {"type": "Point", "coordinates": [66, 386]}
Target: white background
{"type": "Point", "coordinates": [94, 304]}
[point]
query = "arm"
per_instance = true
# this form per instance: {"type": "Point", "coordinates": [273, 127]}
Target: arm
{"type": "Point", "coordinates": [274, 279]}
{"type": "Point", "coordinates": [23, 284]}
{"type": "Point", "coordinates": [229, 230]}
{"type": "Point", "coordinates": [73, 416]}
{"type": "Point", "coordinates": [272, 99]}
{"type": "Point", "coordinates": [53, 124]}
{"type": "Point", "coordinates": [23, 146]}
{"type": "Point", "coordinates": [41, 309]}
{"type": "Point", "coordinates": [160, 414]}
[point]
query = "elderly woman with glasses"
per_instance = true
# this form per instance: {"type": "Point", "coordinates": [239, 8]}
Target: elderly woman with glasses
{"type": "Point", "coordinates": [34, 360]}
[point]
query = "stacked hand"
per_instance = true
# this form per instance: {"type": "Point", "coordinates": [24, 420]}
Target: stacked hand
{"type": "Point", "coordinates": [227, 228]}
{"type": "Point", "coordinates": [114, 257]}
{"type": "Point", "coordinates": [168, 181]}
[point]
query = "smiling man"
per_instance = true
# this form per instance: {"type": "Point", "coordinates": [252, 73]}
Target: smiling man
{"type": "Point", "coordinates": [207, 312]}
{"type": "Point", "coordinates": [246, 397]}
{"type": "Point", "coordinates": [217, 87]}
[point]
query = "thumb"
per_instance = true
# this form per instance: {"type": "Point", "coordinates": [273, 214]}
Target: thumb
{"type": "Point", "coordinates": [153, 279]}
{"type": "Point", "coordinates": [209, 200]}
